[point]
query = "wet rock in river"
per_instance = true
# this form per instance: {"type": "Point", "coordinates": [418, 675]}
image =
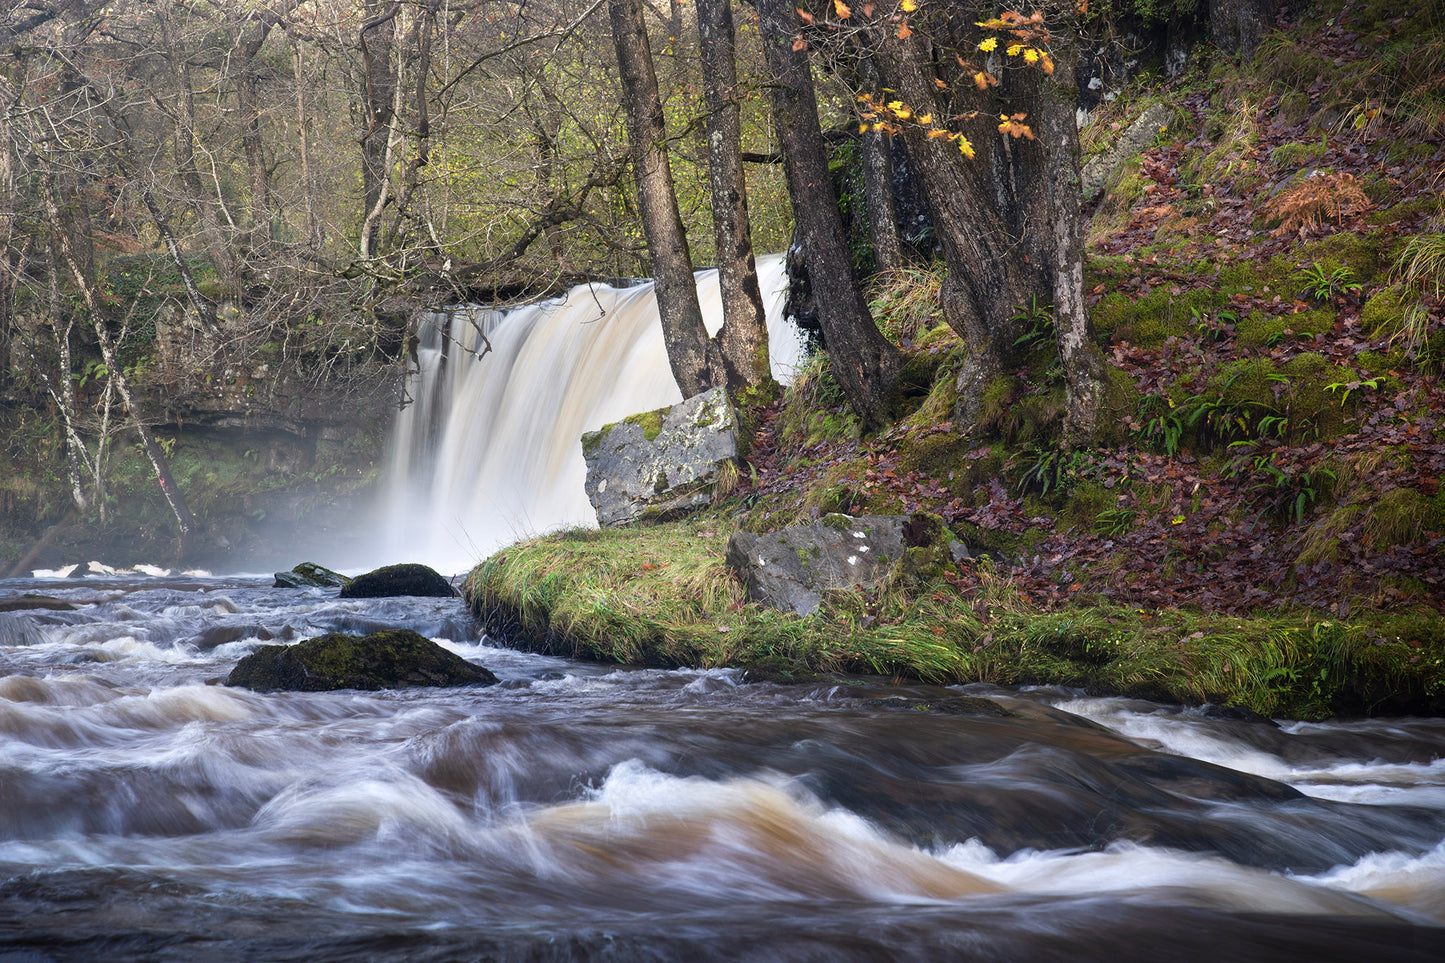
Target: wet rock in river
{"type": "Point", "coordinates": [395, 580]}
{"type": "Point", "coordinates": [660, 463]}
{"type": "Point", "coordinates": [791, 568]}
{"type": "Point", "coordinates": [311, 575]}
{"type": "Point", "coordinates": [395, 659]}
{"type": "Point", "coordinates": [30, 601]}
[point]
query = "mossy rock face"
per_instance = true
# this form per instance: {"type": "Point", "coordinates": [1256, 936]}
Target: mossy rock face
{"type": "Point", "coordinates": [399, 580]}
{"type": "Point", "coordinates": [397, 659]}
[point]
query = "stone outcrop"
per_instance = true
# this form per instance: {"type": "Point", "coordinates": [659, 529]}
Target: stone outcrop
{"type": "Point", "coordinates": [394, 580]}
{"type": "Point", "coordinates": [1099, 171]}
{"type": "Point", "coordinates": [396, 659]}
{"type": "Point", "coordinates": [661, 462]}
{"type": "Point", "coordinates": [311, 575]}
{"type": "Point", "coordinates": [791, 568]}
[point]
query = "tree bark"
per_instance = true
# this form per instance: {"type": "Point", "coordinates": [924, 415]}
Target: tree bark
{"type": "Point", "coordinates": [743, 340]}
{"type": "Point", "coordinates": [864, 362]}
{"type": "Point", "coordinates": [1236, 26]}
{"type": "Point", "coordinates": [878, 200]}
{"type": "Point", "coordinates": [1007, 220]}
{"type": "Point", "coordinates": [690, 353]}
{"type": "Point", "coordinates": [378, 101]}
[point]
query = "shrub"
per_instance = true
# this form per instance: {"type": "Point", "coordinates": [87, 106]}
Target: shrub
{"type": "Point", "coordinates": [1316, 199]}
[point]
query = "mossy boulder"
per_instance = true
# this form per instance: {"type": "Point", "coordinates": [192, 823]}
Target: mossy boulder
{"type": "Point", "coordinates": [395, 659]}
{"type": "Point", "coordinates": [311, 575]}
{"type": "Point", "coordinates": [390, 581]}
{"type": "Point", "coordinates": [791, 568]}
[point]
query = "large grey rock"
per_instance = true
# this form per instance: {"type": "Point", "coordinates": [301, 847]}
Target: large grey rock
{"type": "Point", "coordinates": [663, 461]}
{"type": "Point", "coordinates": [791, 568]}
{"type": "Point", "coordinates": [1098, 172]}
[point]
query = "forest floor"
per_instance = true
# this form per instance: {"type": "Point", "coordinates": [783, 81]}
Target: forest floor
{"type": "Point", "coordinates": [1261, 522]}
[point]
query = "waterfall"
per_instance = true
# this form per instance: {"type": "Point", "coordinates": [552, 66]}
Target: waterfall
{"type": "Point", "coordinates": [489, 451]}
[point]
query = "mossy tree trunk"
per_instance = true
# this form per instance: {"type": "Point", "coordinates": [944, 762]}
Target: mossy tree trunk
{"type": "Point", "coordinates": [1007, 219]}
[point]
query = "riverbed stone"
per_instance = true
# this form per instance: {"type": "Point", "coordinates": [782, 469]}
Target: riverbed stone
{"type": "Point", "coordinates": [390, 581]}
{"type": "Point", "coordinates": [661, 463]}
{"type": "Point", "coordinates": [791, 568]}
{"type": "Point", "coordinates": [311, 575]}
{"type": "Point", "coordinates": [394, 659]}
{"type": "Point", "coordinates": [1098, 172]}
{"type": "Point", "coordinates": [29, 600]}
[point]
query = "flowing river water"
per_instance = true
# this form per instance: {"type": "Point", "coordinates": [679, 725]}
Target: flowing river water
{"type": "Point", "coordinates": [580, 811]}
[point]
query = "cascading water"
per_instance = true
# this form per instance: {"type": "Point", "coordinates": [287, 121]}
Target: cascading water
{"type": "Point", "coordinates": [490, 449]}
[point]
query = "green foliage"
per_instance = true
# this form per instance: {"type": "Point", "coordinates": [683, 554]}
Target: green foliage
{"type": "Point", "coordinates": [815, 408]}
{"type": "Point", "coordinates": [1037, 322]}
{"type": "Point", "coordinates": [663, 596]}
{"type": "Point", "coordinates": [1284, 493]}
{"type": "Point", "coordinates": [1324, 284]}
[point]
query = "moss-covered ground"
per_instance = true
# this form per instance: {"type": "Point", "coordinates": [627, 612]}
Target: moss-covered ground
{"type": "Point", "coordinates": [1261, 521]}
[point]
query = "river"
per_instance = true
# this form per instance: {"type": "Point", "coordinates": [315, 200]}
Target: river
{"type": "Point", "coordinates": [582, 811]}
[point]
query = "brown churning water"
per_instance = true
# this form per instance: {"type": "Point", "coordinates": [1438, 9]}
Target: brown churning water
{"type": "Point", "coordinates": [586, 812]}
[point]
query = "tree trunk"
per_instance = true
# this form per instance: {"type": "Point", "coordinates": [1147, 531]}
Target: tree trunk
{"type": "Point", "coordinates": [378, 101]}
{"type": "Point", "coordinates": [184, 118]}
{"type": "Point", "coordinates": [1083, 362]}
{"type": "Point", "coordinates": [864, 362]}
{"type": "Point", "coordinates": [691, 355]}
{"type": "Point", "coordinates": [743, 340]}
{"type": "Point", "coordinates": [878, 199]}
{"type": "Point", "coordinates": [248, 100]}
{"type": "Point", "coordinates": [1236, 26]}
{"type": "Point", "coordinates": [1007, 219]}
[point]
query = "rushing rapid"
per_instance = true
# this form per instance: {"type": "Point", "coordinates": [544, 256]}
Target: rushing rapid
{"type": "Point", "coordinates": [579, 811]}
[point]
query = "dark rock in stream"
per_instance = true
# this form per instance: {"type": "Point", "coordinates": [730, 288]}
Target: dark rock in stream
{"type": "Point", "coordinates": [311, 575]}
{"type": "Point", "coordinates": [28, 601]}
{"type": "Point", "coordinates": [396, 659]}
{"type": "Point", "coordinates": [394, 580]}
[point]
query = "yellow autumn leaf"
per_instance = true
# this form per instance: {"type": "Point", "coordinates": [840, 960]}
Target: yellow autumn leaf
{"type": "Point", "coordinates": [980, 80]}
{"type": "Point", "coordinates": [925, 118]}
{"type": "Point", "coordinates": [862, 128]}
{"type": "Point", "coordinates": [989, 45]}
{"type": "Point", "coordinates": [938, 133]}
{"type": "Point", "coordinates": [1031, 55]}
{"type": "Point", "coordinates": [844, 11]}
{"type": "Point", "coordinates": [903, 113]}
{"type": "Point", "coordinates": [965, 147]}
{"type": "Point", "coordinates": [908, 6]}
{"type": "Point", "coordinates": [895, 105]}
{"type": "Point", "coordinates": [1014, 49]}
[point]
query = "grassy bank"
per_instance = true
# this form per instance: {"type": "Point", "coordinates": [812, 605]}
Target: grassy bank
{"type": "Point", "coordinates": [663, 596]}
